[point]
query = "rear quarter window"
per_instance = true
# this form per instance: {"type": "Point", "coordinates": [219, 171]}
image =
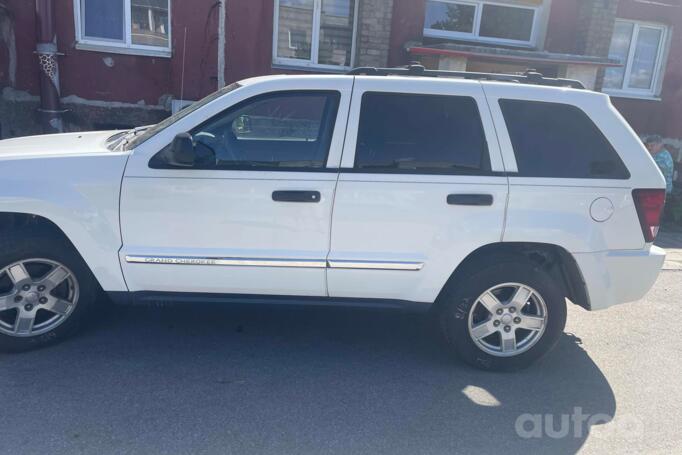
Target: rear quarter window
{"type": "Point", "coordinates": [559, 140]}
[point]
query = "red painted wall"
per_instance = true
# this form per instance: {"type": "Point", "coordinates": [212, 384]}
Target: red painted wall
{"type": "Point", "coordinates": [200, 18]}
{"type": "Point", "coordinates": [4, 68]}
{"type": "Point", "coordinates": [24, 30]}
{"type": "Point", "coordinates": [661, 117]}
{"type": "Point", "coordinates": [249, 38]}
{"type": "Point", "coordinates": [249, 26]}
{"type": "Point", "coordinates": [4, 51]}
{"type": "Point", "coordinates": [407, 25]}
{"type": "Point", "coordinates": [85, 74]}
{"type": "Point", "coordinates": [562, 27]}
{"type": "Point", "coordinates": [130, 78]}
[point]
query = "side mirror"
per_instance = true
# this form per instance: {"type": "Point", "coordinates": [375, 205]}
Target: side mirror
{"type": "Point", "coordinates": [182, 150]}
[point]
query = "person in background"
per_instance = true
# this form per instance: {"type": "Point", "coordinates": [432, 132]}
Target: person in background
{"type": "Point", "coordinates": [663, 159]}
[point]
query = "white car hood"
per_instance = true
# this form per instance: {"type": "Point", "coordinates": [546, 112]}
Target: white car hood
{"type": "Point", "coordinates": [55, 145]}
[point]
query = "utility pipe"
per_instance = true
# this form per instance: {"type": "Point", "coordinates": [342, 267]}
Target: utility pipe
{"type": "Point", "coordinates": [221, 42]}
{"type": "Point", "coordinates": [46, 49]}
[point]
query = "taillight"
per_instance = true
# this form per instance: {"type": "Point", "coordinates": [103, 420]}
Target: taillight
{"type": "Point", "coordinates": [649, 204]}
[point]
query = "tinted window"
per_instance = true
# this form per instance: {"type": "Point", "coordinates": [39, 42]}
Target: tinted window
{"type": "Point", "coordinates": [420, 134]}
{"type": "Point", "coordinates": [559, 140]}
{"type": "Point", "coordinates": [285, 130]}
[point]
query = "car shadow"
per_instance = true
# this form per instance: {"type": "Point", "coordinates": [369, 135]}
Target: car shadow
{"type": "Point", "coordinates": [267, 379]}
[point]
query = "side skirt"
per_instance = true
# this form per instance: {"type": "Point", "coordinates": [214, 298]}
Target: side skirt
{"type": "Point", "coordinates": [155, 298]}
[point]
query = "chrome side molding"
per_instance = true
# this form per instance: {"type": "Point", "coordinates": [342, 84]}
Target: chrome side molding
{"type": "Point", "coordinates": [244, 262]}
{"type": "Point", "coordinates": [260, 262]}
{"type": "Point", "coordinates": [375, 265]}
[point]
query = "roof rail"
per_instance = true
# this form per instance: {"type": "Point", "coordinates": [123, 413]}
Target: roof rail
{"type": "Point", "coordinates": [528, 77]}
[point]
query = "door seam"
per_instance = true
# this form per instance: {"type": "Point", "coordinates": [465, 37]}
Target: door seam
{"type": "Point", "coordinates": [336, 186]}
{"type": "Point", "coordinates": [120, 221]}
{"type": "Point", "coordinates": [504, 166]}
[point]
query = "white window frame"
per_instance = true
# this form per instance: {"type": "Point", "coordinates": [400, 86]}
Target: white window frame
{"type": "Point", "coordinates": [657, 79]}
{"type": "Point", "coordinates": [474, 36]}
{"type": "Point", "coordinates": [315, 41]}
{"type": "Point", "coordinates": [126, 46]}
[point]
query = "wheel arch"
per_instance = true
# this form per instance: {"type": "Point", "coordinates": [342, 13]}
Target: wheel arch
{"type": "Point", "coordinates": [554, 259]}
{"type": "Point", "coordinates": [16, 221]}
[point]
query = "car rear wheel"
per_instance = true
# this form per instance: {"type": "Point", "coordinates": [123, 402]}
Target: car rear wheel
{"type": "Point", "coordinates": [504, 316]}
{"type": "Point", "coordinates": [46, 290]}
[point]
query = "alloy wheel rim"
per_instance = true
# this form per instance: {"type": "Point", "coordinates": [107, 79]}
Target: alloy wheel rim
{"type": "Point", "coordinates": [507, 319]}
{"type": "Point", "coordinates": [36, 296]}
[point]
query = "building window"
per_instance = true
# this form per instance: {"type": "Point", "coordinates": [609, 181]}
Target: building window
{"type": "Point", "coordinates": [135, 26]}
{"type": "Point", "coordinates": [315, 33]}
{"type": "Point", "coordinates": [640, 48]}
{"type": "Point", "coordinates": [505, 23]}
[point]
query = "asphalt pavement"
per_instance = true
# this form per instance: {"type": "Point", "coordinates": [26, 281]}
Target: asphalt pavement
{"type": "Point", "coordinates": [278, 380]}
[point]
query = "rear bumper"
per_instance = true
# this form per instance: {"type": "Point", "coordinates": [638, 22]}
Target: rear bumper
{"type": "Point", "coordinates": [615, 277]}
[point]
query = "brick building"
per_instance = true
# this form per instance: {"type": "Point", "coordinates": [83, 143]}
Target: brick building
{"type": "Point", "coordinates": [130, 62]}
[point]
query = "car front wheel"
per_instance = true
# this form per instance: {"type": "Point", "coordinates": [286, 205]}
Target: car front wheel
{"type": "Point", "coordinates": [46, 290]}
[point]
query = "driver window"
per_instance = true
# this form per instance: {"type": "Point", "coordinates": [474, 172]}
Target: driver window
{"type": "Point", "coordinates": [277, 131]}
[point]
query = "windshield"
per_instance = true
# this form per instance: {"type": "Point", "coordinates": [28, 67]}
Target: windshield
{"type": "Point", "coordinates": [138, 139]}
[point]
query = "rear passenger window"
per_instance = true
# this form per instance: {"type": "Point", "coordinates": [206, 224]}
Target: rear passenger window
{"type": "Point", "coordinates": [427, 134]}
{"type": "Point", "coordinates": [559, 140]}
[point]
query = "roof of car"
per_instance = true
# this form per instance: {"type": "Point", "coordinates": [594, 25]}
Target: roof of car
{"type": "Point", "coordinates": [528, 82]}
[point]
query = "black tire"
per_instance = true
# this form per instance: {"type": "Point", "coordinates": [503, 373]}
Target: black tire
{"type": "Point", "coordinates": [458, 298]}
{"type": "Point", "coordinates": [35, 242]}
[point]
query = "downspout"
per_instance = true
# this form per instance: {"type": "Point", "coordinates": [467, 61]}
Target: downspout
{"type": "Point", "coordinates": [46, 49]}
{"type": "Point", "coordinates": [221, 43]}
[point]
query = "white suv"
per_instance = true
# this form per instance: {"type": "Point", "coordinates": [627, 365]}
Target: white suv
{"type": "Point", "coordinates": [491, 200]}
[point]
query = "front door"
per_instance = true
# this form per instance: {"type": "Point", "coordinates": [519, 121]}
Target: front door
{"type": "Point", "coordinates": [252, 215]}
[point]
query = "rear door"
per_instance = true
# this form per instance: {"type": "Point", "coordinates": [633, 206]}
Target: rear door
{"type": "Point", "coordinates": [421, 186]}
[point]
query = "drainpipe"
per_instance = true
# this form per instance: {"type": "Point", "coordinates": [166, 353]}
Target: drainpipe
{"type": "Point", "coordinates": [46, 49]}
{"type": "Point", "coordinates": [221, 43]}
